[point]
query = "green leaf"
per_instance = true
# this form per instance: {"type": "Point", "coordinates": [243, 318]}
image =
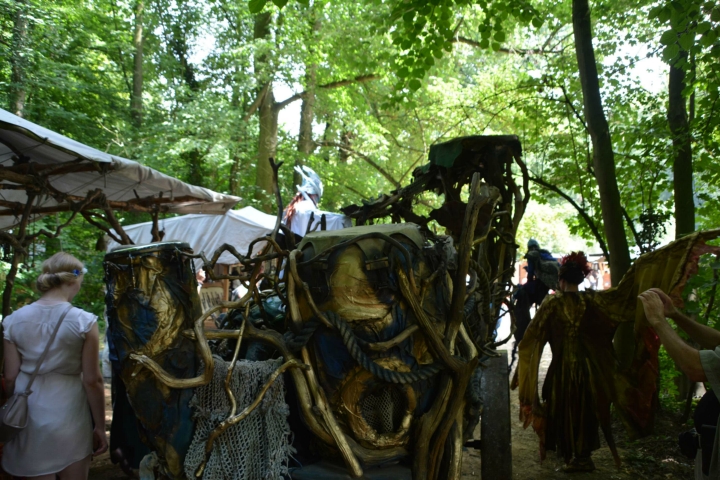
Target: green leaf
{"type": "Point", "coordinates": [404, 72]}
{"type": "Point", "coordinates": [715, 14]}
{"type": "Point", "coordinates": [703, 27]}
{"type": "Point", "coordinates": [414, 84]}
{"type": "Point", "coordinates": [256, 6]}
{"type": "Point", "coordinates": [280, 3]}
{"type": "Point", "coordinates": [668, 37]}
{"type": "Point", "coordinates": [499, 36]}
{"type": "Point", "coordinates": [537, 22]}
{"type": "Point", "coordinates": [495, 46]}
{"type": "Point", "coordinates": [484, 43]}
{"type": "Point", "coordinates": [709, 37]}
{"type": "Point", "coordinates": [671, 52]}
{"type": "Point", "coordinates": [486, 33]}
{"type": "Point", "coordinates": [686, 41]}
{"type": "Point", "coordinates": [409, 16]}
{"type": "Point", "coordinates": [664, 15]}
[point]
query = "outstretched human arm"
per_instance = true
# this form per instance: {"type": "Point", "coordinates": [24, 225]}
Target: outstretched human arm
{"type": "Point", "coordinates": [687, 358]}
{"type": "Point", "coordinates": [94, 388]}
{"type": "Point", "coordinates": [705, 336]}
{"type": "Point", "coordinates": [12, 366]}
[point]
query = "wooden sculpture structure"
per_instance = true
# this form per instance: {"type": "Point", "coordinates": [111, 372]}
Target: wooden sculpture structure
{"type": "Point", "coordinates": [417, 333]}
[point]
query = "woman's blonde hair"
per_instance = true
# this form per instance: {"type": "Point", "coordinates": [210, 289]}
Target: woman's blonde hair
{"type": "Point", "coordinates": [58, 269]}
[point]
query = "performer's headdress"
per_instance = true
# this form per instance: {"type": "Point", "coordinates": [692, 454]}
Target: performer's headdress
{"type": "Point", "coordinates": [532, 243]}
{"type": "Point", "coordinates": [311, 185]}
{"type": "Point", "coordinates": [574, 268]}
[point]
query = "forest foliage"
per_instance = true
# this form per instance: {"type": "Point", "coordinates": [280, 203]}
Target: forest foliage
{"type": "Point", "coordinates": [206, 90]}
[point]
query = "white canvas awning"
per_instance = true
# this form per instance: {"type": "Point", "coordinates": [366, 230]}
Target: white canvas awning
{"type": "Point", "coordinates": [206, 233]}
{"type": "Point", "coordinates": [71, 169]}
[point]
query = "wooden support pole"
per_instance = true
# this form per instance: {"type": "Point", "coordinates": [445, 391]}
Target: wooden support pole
{"type": "Point", "coordinates": [18, 254]}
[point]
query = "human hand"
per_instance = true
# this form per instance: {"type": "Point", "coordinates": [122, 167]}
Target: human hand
{"type": "Point", "coordinates": [100, 441]}
{"type": "Point", "coordinates": [653, 306]}
{"type": "Point", "coordinates": [668, 306]}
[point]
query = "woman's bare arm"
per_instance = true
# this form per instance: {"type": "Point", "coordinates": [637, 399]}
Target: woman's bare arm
{"type": "Point", "coordinates": [94, 388]}
{"type": "Point", "coordinates": [12, 360]}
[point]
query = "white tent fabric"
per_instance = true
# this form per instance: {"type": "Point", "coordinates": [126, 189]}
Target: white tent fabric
{"type": "Point", "coordinates": [206, 233]}
{"type": "Point", "coordinates": [121, 179]}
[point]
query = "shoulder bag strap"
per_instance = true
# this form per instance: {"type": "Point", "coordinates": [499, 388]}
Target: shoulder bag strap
{"type": "Point", "coordinates": [45, 352]}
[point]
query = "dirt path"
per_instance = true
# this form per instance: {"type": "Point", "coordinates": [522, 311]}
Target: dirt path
{"type": "Point", "coordinates": [101, 467]}
{"type": "Point", "coordinates": [526, 456]}
{"type": "Point", "coordinates": [655, 457]}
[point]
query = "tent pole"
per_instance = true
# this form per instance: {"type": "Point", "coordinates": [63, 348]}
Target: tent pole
{"type": "Point", "coordinates": [18, 253]}
{"type": "Point", "coordinates": [155, 227]}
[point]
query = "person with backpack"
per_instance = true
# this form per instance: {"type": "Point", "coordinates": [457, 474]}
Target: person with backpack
{"type": "Point", "coordinates": [542, 275]}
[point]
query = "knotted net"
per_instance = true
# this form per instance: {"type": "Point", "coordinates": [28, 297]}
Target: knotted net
{"type": "Point", "coordinates": [258, 447]}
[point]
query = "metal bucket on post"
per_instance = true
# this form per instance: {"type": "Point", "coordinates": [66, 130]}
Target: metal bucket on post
{"type": "Point", "coordinates": [151, 298]}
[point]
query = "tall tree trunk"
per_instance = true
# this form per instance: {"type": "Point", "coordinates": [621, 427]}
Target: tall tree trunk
{"type": "Point", "coordinates": [604, 167]}
{"type": "Point", "coordinates": [18, 60]}
{"type": "Point", "coordinates": [603, 157]}
{"type": "Point", "coordinates": [136, 103]}
{"type": "Point", "coordinates": [267, 139]}
{"type": "Point", "coordinates": [682, 152]}
{"type": "Point", "coordinates": [194, 159]}
{"type": "Point", "coordinates": [306, 145]}
{"type": "Point", "coordinates": [267, 145]}
{"type": "Point", "coordinates": [234, 180]}
{"type": "Point", "coordinates": [196, 167]}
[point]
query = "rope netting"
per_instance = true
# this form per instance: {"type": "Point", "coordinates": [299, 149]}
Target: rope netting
{"type": "Point", "coordinates": [258, 447]}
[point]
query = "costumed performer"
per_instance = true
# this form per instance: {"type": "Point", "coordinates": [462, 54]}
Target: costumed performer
{"type": "Point", "coordinates": [578, 388]}
{"type": "Point", "coordinates": [302, 214]}
{"type": "Point", "coordinates": [584, 377]}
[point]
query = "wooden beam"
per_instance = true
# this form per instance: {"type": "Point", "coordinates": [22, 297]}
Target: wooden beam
{"type": "Point", "coordinates": [7, 174]}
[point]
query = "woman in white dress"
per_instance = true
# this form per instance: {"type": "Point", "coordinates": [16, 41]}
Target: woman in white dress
{"type": "Point", "coordinates": [68, 394]}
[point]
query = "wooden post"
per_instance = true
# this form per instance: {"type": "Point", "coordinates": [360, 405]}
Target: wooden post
{"type": "Point", "coordinates": [495, 437]}
{"type": "Point", "coordinates": [18, 254]}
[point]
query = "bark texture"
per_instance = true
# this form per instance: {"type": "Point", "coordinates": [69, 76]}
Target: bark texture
{"type": "Point", "coordinates": [267, 138]}
{"type": "Point", "coordinates": [603, 156]}
{"type": "Point", "coordinates": [267, 144]}
{"type": "Point", "coordinates": [136, 103]}
{"type": "Point", "coordinates": [18, 90]}
{"type": "Point", "coordinates": [306, 145]}
{"type": "Point", "coordinates": [682, 152]}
